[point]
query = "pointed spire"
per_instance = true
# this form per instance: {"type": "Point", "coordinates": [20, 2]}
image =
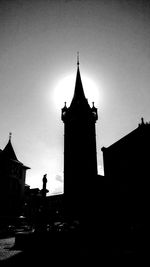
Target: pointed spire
{"type": "Point", "coordinates": [78, 63]}
{"type": "Point", "coordinates": [79, 95]}
{"type": "Point", "coordinates": [10, 135]}
{"type": "Point", "coordinates": [8, 150]}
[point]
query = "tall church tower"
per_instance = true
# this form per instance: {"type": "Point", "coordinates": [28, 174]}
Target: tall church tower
{"type": "Point", "coordinates": [80, 157]}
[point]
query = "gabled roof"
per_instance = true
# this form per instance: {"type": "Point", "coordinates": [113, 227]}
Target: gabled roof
{"type": "Point", "coordinates": [136, 137]}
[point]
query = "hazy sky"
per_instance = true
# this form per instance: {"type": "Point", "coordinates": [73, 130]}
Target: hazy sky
{"type": "Point", "coordinates": [39, 41]}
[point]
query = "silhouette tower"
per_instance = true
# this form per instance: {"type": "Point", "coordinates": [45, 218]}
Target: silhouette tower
{"type": "Point", "coordinates": [80, 157]}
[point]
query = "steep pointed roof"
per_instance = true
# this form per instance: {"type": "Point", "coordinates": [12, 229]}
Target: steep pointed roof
{"type": "Point", "coordinates": [79, 96]}
{"type": "Point", "coordinates": [9, 151]}
{"type": "Point", "coordinates": [9, 154]}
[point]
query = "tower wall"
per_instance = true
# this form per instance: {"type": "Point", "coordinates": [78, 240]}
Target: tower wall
{"type": "Point", "coordinates": [80, 157]}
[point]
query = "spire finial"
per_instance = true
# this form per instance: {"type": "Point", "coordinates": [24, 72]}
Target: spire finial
{"type": "Point", "coordinates": [142, 120]}
{"type": "Point", "coordinates": [78, 59]}
{"type": "Point", "coordinates": [10, 135]}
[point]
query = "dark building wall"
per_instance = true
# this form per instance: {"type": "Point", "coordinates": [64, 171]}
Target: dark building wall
{"type": "Point", "coordinates": [80, 155]}
{"type": "Point", "coordinates": [55, 207]}
{"type": "Point", "coordinates": [126, 167]}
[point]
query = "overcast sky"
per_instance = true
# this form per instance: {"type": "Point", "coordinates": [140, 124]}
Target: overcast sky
{"type": "Point", "coordinates": [39, 41]}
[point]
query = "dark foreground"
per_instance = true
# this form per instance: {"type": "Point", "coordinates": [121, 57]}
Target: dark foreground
{"type": "Point", "coordinates": [69, 250]}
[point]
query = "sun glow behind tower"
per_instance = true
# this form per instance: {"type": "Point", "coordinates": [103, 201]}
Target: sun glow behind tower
{"type": "Point", "coordinates": [64, 89]}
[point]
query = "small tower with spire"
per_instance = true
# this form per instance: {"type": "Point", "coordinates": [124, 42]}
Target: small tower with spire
{"type": "Point", "coordinates": [12, 181]}
{"type": "Point", "coordinates": [80, 157]}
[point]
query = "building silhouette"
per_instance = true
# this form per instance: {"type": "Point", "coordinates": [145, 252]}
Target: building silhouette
{"type": "Point", "coordinates": [100, 214]}
{"type": "Point", "coordinates": [126, 168]}
{"type": "Point", "coordinates": [12, 182]}
{"type": "Point", "coordinates": [80, 157]}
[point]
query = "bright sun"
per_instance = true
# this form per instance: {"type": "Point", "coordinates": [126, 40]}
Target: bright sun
{"type": "Point", "coordinates": [64, 91]}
